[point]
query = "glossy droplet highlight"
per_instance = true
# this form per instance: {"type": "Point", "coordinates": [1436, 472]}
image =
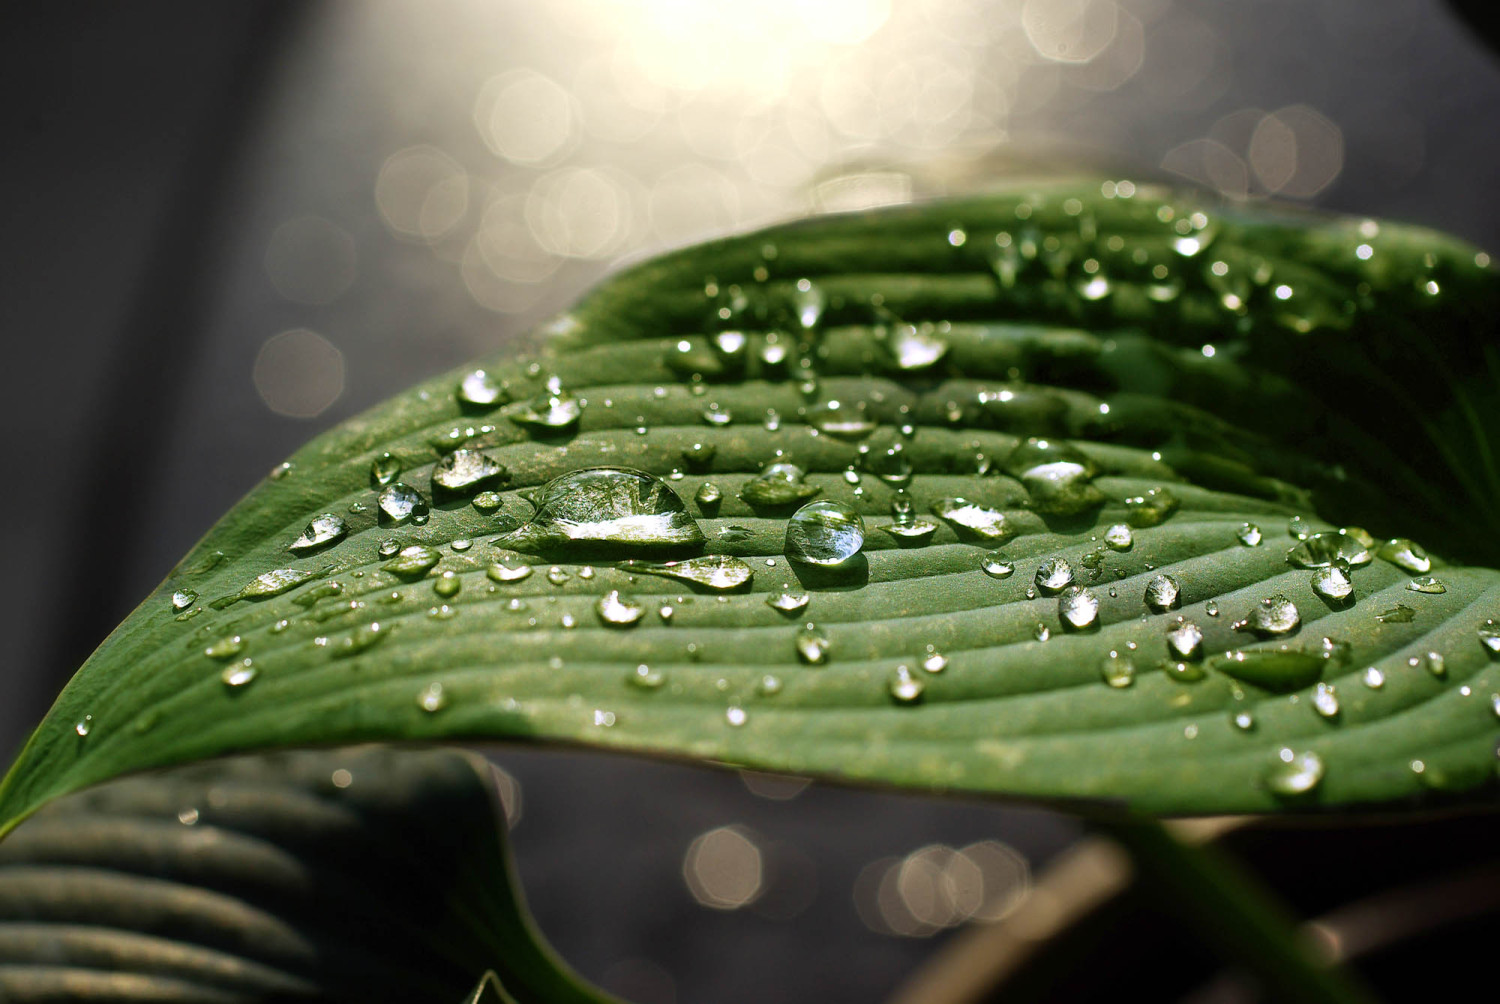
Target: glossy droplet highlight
{"type": "Point", "coordinates": [184, 598]}
{"type": "Point", "coordinates": [551, 411]}
{"type": "Point", "coordinates": [412, 561]}
{"type": "Point", "coordinates": [614, 506]}
{"type": "Point", "coordinates": [904, 686]}
{"type": "Point", "coordinates": [1325, 700]}
{"type": "Point", "coordinates": [225, 648]}
{"type": "Point", "coordinates": [400, 502]}
{"type": "Point", "coordinates": [1119, 537]}
{"type": "Point", "coordinates": [719, 572]}
{"type": "Point", "coordinates": [1405, 554]}
{"type": "Point", "coordinates": [827, 534]}
{"type": "Point", "coordinates": [1333, 584]}
{"type": "Point", "coordinates": [974, 520]}
{"type": "Point", "coordinates": [1078, 608]}
{"type": "Point", "coordinates": [995, 566]}
{"type": "Point", "coordinates": [1294, 774]}
{"type": "Point", "coordinates": [788, 601]}
{"type": "Point", "coordinates": [708, 494]}
{"type": "Point", "coordinates": [238, 674]}
{"type": "Point", "coordinates": [1150, 508]}
{"type": "Point", "coordinates": [1324, 550]}
{"type": "Point", "coordinates": [1185, 641]}
{"type": "Point", "coordinates": [431, 698]}
{"type": "Point", "coordinates": [507, 573]}
{"type": "Point", "coordinates": [384, 469]}
{"type": "Point", "coordinates": [1275, 615]}
{"type": "Point", "coordinates": [481, 390]}
{"type": "Point", "coordinates": [323, 531]}
{"type": "Point", "coordinates": [465, 471]}
{"type": "Point", "coordinates": [619, 611]}
{"type": "Point", "coordinates": [1117, 670]}
{"type": "Point", "coordinates": [1163, 593]}
{"type": "Point", "coordinates": [1249, 535]}
{"type": "Point", "coordinates": [778, 485]}
{"type": "Point", "coordinates": [1427, 584]}
{"type": "Point", "coordinates": [812, 645]}
{"type": "Point", "coordinates": [1054, 575]}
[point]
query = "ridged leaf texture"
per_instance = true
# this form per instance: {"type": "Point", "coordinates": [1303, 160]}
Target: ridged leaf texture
{"type": "Point", "coordinates": [1047, 354]}
{"type": "Point", "coordinates": [341, 875]}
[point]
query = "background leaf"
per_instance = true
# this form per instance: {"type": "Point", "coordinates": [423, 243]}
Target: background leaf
{"type": "Point", "coordinates": [1249, 369]}
{"type": "Point", "coordinates": [349, 875]}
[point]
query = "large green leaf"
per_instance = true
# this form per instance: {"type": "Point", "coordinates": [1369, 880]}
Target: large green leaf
{"type": "Point", "coordinates": [1247, 369]}
{"type": "Point", "coordinates": [351, 875]}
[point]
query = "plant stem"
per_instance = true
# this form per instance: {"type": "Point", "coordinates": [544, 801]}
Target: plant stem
{"type": "Point", "coordinates": [1236, 914]}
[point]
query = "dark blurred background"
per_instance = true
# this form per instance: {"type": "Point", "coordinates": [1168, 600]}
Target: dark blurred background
{"type": "Point", "coordinates": [226, 226]}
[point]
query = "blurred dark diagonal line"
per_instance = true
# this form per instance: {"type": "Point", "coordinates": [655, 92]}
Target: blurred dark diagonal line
{"type": "Point", "coordinates": [1479, 17]}
{"type": "Point", "coordinates": [152, 357]}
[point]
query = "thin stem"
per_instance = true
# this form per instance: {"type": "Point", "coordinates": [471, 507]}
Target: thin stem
{"type": "Point", "coordinates": [1236, 914]}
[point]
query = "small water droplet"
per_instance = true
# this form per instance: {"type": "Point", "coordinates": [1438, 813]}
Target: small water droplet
{"type": "Point", "coordinates": [716, 415]}
{"type": "Point", "coordinates": [841, 420]}
{"type": "Point", "coordinates": [447, 584]}
{"type": "Point", "coordinates": [1299, 528]}
{"type": "Point", "coordinates": [238, 674]}
{"type": "Point", "coordinates": [619, 611]}
{"type": "Point", "coordinates": [1405, 554]}
{"type": "Point", "coordinates": [976, 520]}
{"type": "Point", "coordinates": [557, 575]}
{"type": "Point", "coordinates": [465, 471]}
{"type": "Point", "coordinates": [1150, 508]}
{"type": "Point", "coordinates": [359, 640]}
{"type": "Point", "coordinates": [431, 698]}
{"type": "Point", "coordinates": [1373, 678]}
{"type": "Point", "coordinates": [183, 598]}
{"type": "Point", "coordinates": [1041, 632]}
{"type": "Point", "coordinates": [1489, 637]}
{"type": "Point", "coordinates": [1117, 670]}
{"type": "Point", "coordinates": [778, 484]}
{"type": "Point", "coordinates": [281, 470]}
{"type": "Point", "coordinates": [719, 572]}
{"type": "Point", "coordinates": [225, 648]}
{"type": "Point", "coordinates": [1294, 773]}
{"type": "Point", "coordinates": [708, 494]}
{"type": "Point", "coordinates": [1325, 700]}
{"type": "Point", "coordinates": [808, 302]}
{"type": "Point", "coordinates": [412, 561]}
{"type": "Point", "coordinates": [1163, 593]}
{"type": "Point", "coordinates": [84, 725]}
{"type": "Point", "coordinates": [913, 348]}
{"type": "Point", "coordinates": [1275, 615]}
{"type": "Point", "coordinates": [889, 465]}
{"type": "Point", "coordinates": [551, 411]}
{"type": "Point", "coordinates": [384, 469]}
{"type": "Point", "coordinates": [934, 661]}
{"type": "Point", "coordinates": [788, 601]}
{"type": "Point", "coordinates": [646, 678]}
{"type": "Point", "coordinates": [1333, 584]}
{"type": "Point", "coordinates": [1185, 640]}
{"type": "Point", "coordinates": [1054, 575]}
{"type": "Point", "coordinates": [505, 573]}
{"type": "Point", "coordinates": [1249, 534]}
{"type": "Point", "coordinates": [400, 502]}
{"type": "Point", "coordinates": [995, 566]}
{"type": "Point", "coordinates": [812, 645]}
{"type": "Point", "coordinates": [481, 390]}
{"type": "Point", "coordinates": [735, 716]}
{"type": "Point", "coordinates": [1119, 538]}
{"type": "Point", "coordinates": [1078, 607]}
{"type": "Point", "coordinates": [1398, 614]}
{"type": "Point", "coordinates": [1436, 664]}
{"type": "Point", "coordinates": [828, 534]}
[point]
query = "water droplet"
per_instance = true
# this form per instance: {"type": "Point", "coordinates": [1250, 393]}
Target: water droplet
{"type": "Point", "coordinates": [1117, 670]}
{"type": "Point", "coordinates": [481, 390]}
{"type": "Point", "coordinates": [281, 470]}
{"type": "Point", "coordinates": [1333, 584]}
{"type": "Point", "coordinates": [778, 485]}
{"type": "Point", "coordinates": [1427, 584]}
{"type": "Point", "coordinates": [400, 502]}
{"type": "Point", "coordinates": [557, 575]}
{"type": "Point", "coordinates": [904, 687]}
{"type": "Point", "coordinates": [708, 494]}
{"type": "Point", "coordinates": [1373, 678]}
{"type": "Point", "coordinates": [84, 725]}
{"type": "Point", "coordinates": [238, 674]}
{"type": "Point", "coordinates": [646, 678]}
{"type": "Point", "coordinates": [384, 469]}
{"type": "Point", "coordinates": [914, 348]}
{"type": "Point", "coordinates": [361, 639]}
{"type": "Point", "coordinates": [812, 645]}
{"type": "Point", "coordinates": [1249, 534]}
{"type": "Point", "coordinates": [619, 611]}
{"type": "Point", "coordinates": [934, 661]}
{"type": "Point", "coordinates": [432, 698]}
{"type": "Point", "coordinates": [1299, 528]}
{"type": "Point", "coordinates": [553, 410]}
{"type": "Point", "coordinates": [225, 648]}
{"type": "Point", "coordinates": [1078, 607]}
{"type": "Point", "coordinates": [918, 531]}
{"type": "Point", "coordinates": [1185, 640]}
{"type": "Point", "coordinates": [889, 465]}
{"type": "Point", "coordinates": [322, 531]}
{"type": "Point", "coordinates": [808, 302]}
{"type": "Point", "coordinates": [716, 415]}
{"type": "Point", "coordinates": [1294, 773]}
{"type": "Point", "coordinates": [465, 470]}
{"type": "Point", "coordinates": [447, 584]}
{"type": "Point", "coordinates": [1053, 575]}
{"type": "Point", "coordinates": [1119, 537]}
{"type": "Point", "coordinates": [1041, 632]}
{"type": "Point", "coordinates": [829, 534]}
{"type": "Point", "coordinates": [1398, 614]}
{"type": "Point", "coordinates": [1322, 550]}
{"type": "Point", "coordinates": [1489, 637]}
{"type": "Point", "coordinates": [1275, 615]}
{"type": "Point", "coordinates": [1325, 700]}
{"type": "Point", "coordinates": [183, 598]}
{"type": "Point", "coordinates": [1280, 669]}
{"type": "Point", "coordinates": [719, 572]}
{"type": "Point", "coordinates": [1150, 508]}
{"type": "Point", "coordinates": [995, 566]}
{"type": "Point", "coordinates": [319, 592]}
{"type": "Point", "coordinates": [1406, 554]}
{"type": "Point", "coordinates": [607, 505]}
{"type": "Point", "coordinates": [412, 561]}
{"type": "Point", "coordinates": [976, 520]}
{"type": "Point", "coordinates": [845, 421]}
{"type": "Point", "coordinates": [1162, 593]}
{"type": "Point", "coordinates": [735, 716]}
{"type": "Point", "coordinates": [788, 602]}
{"type": "Point", "coordinates": [505, 573]}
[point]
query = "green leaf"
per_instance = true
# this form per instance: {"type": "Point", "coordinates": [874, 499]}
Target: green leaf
{"type": "Point", "coordinates": [1068, 357]}
{"type": "Point", "coordinates": [349, 875]}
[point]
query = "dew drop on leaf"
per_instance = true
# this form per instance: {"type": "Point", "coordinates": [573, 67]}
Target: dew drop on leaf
{"type": "Point", "coordinates": [447, 584]}
{"type": "Point", "coordinates": [735, 716]}
{"type": "Point", "coordinates": [400, 502]}
{"type": "Point", "coordinates": [975, 520]}
{"type": "Point", "coordinates": [995, 565]}
{"type": "Point", "coordinates": [618, 611]}
{"type": "Point", "coordinates": [1078, 607]}
{"type": "Point", "coordinates": [1119, 537]}
{"type": "Point", "coordinates": [84, 725]}
{"type": "Point", "coordinates": [1427, 584]}
{"type": "Point", "coordinates": [551, 411]}
{"type": "Point", "coordinates": [412, 561]}
{"type": "Point", "coordinates": [465, 470]}
{"type": "Point", "coordinates": [788, 601]}
{"type": "Point", "coordinates": [1275, 615]}
{"type": "Point", "coordinates": [1117, 670]}
{"type": "Point", "coordinates": [384, 469]}
{"type": "Point", "coordinates": [432, 699]}
{"type": "Point", "coordinates": [481, 390]}
{"type": "Point", "coordinates": [1150, 508]}
{"type": "Point", "coordinates": [1325, 700]}
{"type": "Point", "coordinates": [329, 528]}
{"type": "Point", "coordinates": [1489, 637]}
{"type": "Point", "coordinates": [507, 573]}
{"type": "Point", "coordinates": [812, 645]}
{"type": "Point", "coordinates": [905, 688]}
{"type": "Point", "coordinates": [1162, 593]}
{"type": "Point", "coordinates": [1372, 677]}
{"type": "Point", "coordinates": [238, 674]}
{"type": "Point", "coordinates": [708, 494]}
{"type": "Point", "coordinates": [1293, 773]}
{"type": "Point", "coordinates": [1398, 614]}
{"type": "Point", "coordinates": [1299, 528]}
{"type": "Point", "coordinates": [1249, 534]}
{"type": "Point", "coordinates": [778, 484]}
{"type": "Point", "coordinates": [1054, 575]}
{"type": "Point", "coordinates": [646, 678]}
{"type": "Point", "coordinates": [934, 661]}
{"type": "Point", "coordinates": [607, 506]}
{"type": "Point", "coordinates": [1185, 641]}
{"type": "Point", "coordinates": [225, 648]}
{"type": "Point", "coordinates": [1333, 584]}
{"type": "Point", "coordinates": [841, 420]}
{"type": "Point", "coordinates": [719, 572]}
{"type": "Point", "coordinates": [828, 534]}
{"type": "Point", "coordinates": [184, 598]}
{"type": "Point", "coordinates": [1405, 554]}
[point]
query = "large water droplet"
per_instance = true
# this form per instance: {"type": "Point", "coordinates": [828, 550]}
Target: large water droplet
{"type": "Point", "coordinates": [619, 611]}
{"type": "Point", "coordinates": [845, 421]}
{"type": "Point", "coordinates": [778, 485]}
{"type": "Point", "coordinates": [1294, 773]}
{"type": "Point", "coordinates": [1162, 593]}
{"type": "Point", "coordinates": [1281, 669]}
{"type": "Point", "coordinates": [829, 534]}
{"type": "Point", "coordinates": [1185, 640]}
{"type": "Point", "coordinates": [464, 471]}
{"type": "Point", "coordinates": [1322, 550]}
{"type": "Point", "coordinates": [268, 584]}
{"type": "Point", "coordinates": [607, 506]}
{"type": "Point", "coordinates": [184, 598]}
{"type": "Point", "coordinates": [905, 687]}
{"type": "Point", "coordinates": [551, 411]}
{"type": "Point", "coordinates": [400, 502]}
{"type": "Point", "coordinates": [1275, 615]}
{"type": "Point", "coordinates": [1150, 508]}
{"type": "Point", "coordinates": [1333, 584]}
{"type": "Point", "coordinates": [719, 572]}
{"type": "Point", "coordinates": [914, 348]}
{"type": "Point", "coordinates": [812, 645]}
{"type": "Point", "coordinates": [324, 530]}
{"type": "Point", "coordinates": [412, 561]}
{"type": "Point", "coordinates": [1054, 575]}
{"type": "Point", "coordinates": [1489, 637]}
{"type": "Point", "coordinates": [1119, 538]}
{"type": "Point", "coordinates": [1078, 607]}
{"type": "Point", "coordinates": [1249, 534]}
{"type": "Point", "coordinates": [995, 565]}
{"type": "Point", "coordinates": [1406, 554]}
{"type": "Point", "coordinates": [1427, 584]}
{"type": "Point", "coordinates": [975, 520]}
{"type": "Point", "coordinates": [480, 390]}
